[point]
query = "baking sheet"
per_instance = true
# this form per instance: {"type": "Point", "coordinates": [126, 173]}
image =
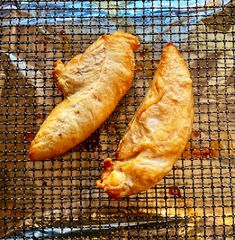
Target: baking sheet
{"type": "Point", "coordinates": [58, 197]}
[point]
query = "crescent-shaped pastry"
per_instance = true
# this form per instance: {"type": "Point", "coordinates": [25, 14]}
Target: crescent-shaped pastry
{"type": "Point", "coordinates": [93, 83]}
{"type": "Point", "coordinates": [157, 135]}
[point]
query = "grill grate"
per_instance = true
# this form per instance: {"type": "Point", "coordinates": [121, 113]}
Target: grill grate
{"type": "Point", "coordinates": [58, 198]}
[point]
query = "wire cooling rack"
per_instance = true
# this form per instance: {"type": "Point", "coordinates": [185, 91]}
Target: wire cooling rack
{"type": "Point", "coordinates": [58, 198]}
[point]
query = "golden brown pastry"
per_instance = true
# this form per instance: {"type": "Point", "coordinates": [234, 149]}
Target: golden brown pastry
{"type": "Point", "coordinates": [157, 135]}
{"type": "Point", "coordinates": [93, 83]}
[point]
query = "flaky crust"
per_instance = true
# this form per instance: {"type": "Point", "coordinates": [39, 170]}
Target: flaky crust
{"type": "Point", "coordinates": [93, 83]}
{"type": "Point", "coordinates": [157, 135]}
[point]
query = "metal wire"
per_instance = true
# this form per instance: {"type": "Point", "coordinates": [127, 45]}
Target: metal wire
{"type": "Point", "coordinates": [58, 198]}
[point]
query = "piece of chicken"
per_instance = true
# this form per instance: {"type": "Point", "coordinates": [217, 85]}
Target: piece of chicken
{"type": "Point", "coordinates": [93, 83]}
{"type": "Point", "coordinates": [157, 135]}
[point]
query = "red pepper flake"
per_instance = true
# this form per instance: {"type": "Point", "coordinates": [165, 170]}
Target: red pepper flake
{"type": "Point", "coordinates": [175, 191]}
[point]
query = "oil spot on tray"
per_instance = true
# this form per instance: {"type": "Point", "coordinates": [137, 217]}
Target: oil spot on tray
{"type": "Point", "coordinates": [175, 191]}
{"type": "Point", "coordinates": [29, 136]}
{"type": "Point", "coordinates": [197, 151]}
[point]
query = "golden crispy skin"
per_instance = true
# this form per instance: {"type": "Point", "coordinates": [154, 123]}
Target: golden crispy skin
{"type": "Point", "coordinates": [157, 135]}
{"type": "Point", "coordinates": [93, 83]}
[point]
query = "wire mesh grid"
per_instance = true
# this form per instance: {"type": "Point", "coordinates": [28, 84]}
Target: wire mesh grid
{"type": "Point", "coordinates": [58, 198]}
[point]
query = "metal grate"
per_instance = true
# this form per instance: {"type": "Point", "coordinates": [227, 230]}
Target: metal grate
{"type": "Point", "coordinates": [58, 198]}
